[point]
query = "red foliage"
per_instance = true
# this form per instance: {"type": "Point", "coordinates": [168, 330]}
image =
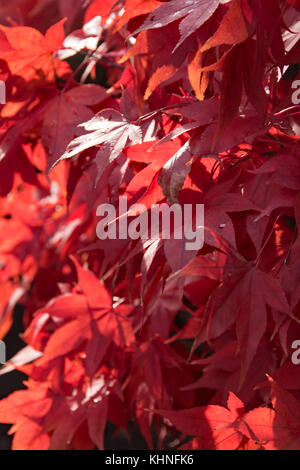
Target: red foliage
{"type": "Point", "coordinates": [187, 102]}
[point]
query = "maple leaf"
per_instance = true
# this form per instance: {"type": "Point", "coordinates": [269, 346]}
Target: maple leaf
{"type": "Point", "coordinates": [197, 108]}
{"type": "Point", "coordinates": [218, 202]}
{"type": "Point", "coordinates": [159, 58]}
{"type": "Point", "coordinates": [110, 129]}
{"type": "Point", "coordinates": [90, 408]}
{"type": "Point", "coordinates": [65, 113]}
{"type": "Point", "coordinates": [133, 8]}
{"type": "Point", "coordinates": [91, 317]}
{"type": "Point", "coordinates": [194, 14]}
{"type": "Point", "coordinates": [173, 174]}
{"type": "Point", "coordinates": [175, 170]}
{"type": "Point", "coordinates": [27, 51]}
{"type": "Point", "coordinates": [12, 136]}
{"type": "Point", "coordinates": [104, 10]}
{"type": "Point", "coordinates": [277, 427]}
{"type": "Point", "coordinates": [232, 30]}
{"type": "Point", "coordinates": [246, 304]}
{"type": "Point", "coordinates": [221, 371]}
{"type": "Point", "coordinates": [25, 408]}
{"type": "Point", "coordinates": [214, 426]}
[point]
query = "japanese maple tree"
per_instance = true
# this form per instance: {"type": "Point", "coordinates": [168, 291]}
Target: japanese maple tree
{"type": "Point", "coordinates": [177, 101]}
